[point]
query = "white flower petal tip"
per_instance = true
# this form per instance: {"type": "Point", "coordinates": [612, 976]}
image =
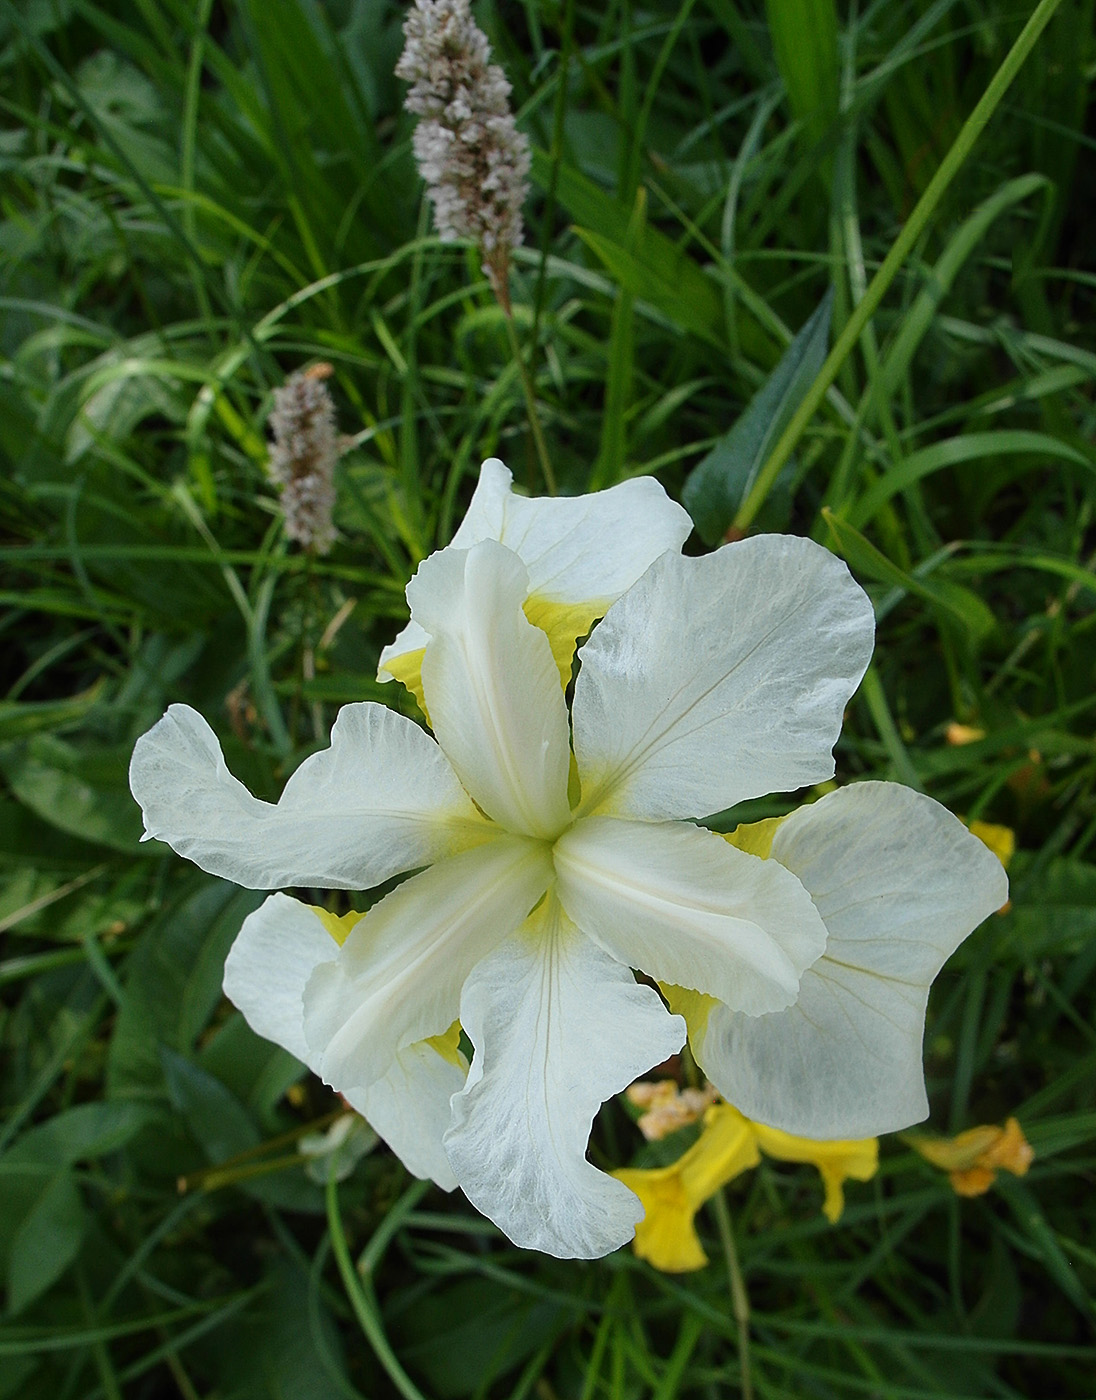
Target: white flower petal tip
{"type": "Point", "coordinates": [899, 883]}
{"type": "Point", "coordinates": [277, 949]}
{"type": "Point", "coordinates": [397, 979]}
{"type": "Point", "coordinates": [579, 550]}
{"type": "Point", "coordinates": [720, 678]}
{"type": "Point", "coordinates": [558, 1027]}
{"type": "Point", "coordinates": [382, 799]}
{"type": "Point", "coordinates": [687, 908]}
{"type": "Point", "coordinates": [493, 688]}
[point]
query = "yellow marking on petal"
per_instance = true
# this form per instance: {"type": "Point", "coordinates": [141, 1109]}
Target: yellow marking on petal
{"type": "Point", "coordinates": [408, 669]}
{"type": "Point", "coordinates": [448, 1045]}
{"type": "Point", "coordinates": [855, 1159]}
{"type": "Point", "coordinates": [973, 1158]}
{"type": "Point", "coordinates": [337, 925]}
{"type": "Point", "coordinates": [563, 624]}
{"type": "Point", "coordinates": [755, 838]}
{"type": "Point", "coordinates": [671, 1196]}
{"type": "Point", "coordinates": [695, 1007]}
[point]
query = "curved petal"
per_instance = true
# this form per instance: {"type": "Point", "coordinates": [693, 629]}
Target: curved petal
{"type": "Point", "coordinates": [382, 799]}
{"type": "Point", "coordinates": [274, 954]}
{"type": "Point", "coordinates": [579, 550]}
{"type": "Point", "coordinates": [558, 1027]}
{"type": "Point", "coordinates": [492, 687]}
{"type": "Point", "coordinates": [718, 679]}
{"type": "Point", "coordinates": [678, 902]}
{"type": "Point", "coordinates": [397, 978]}
{"type": "Point", "coordinates": [900, 883]}
{"type": "Point", "coordinates": [278, 948]}
{"type": "Point", "coordinates": [409, 1108]}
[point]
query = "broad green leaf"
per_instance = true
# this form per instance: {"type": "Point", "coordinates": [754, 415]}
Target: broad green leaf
{"type": "Point", "coordinates": [46, 1242]}
{"type": "Point", "coordinates": [174, 982]}
{"type": "Point", "coordinates": [81, 790]}
{"type": "Point", "coordinates": [804, 35]}
{"type": "Point", "coordinates": [720, 483]}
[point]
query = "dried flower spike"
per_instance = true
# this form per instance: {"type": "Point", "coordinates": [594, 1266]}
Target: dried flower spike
{"type": "Point", "coordinates": [469, 151]}
{"type": "Point", "coordinates": [303, 456]}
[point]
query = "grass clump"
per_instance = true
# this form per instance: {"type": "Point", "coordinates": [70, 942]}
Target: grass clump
{"type": "Point", "coordinates": [200, 201]}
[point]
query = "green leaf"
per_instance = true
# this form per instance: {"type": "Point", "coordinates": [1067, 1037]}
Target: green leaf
{"type": "Point", "coordinates": [174, 982]}
{"type": "Point", "coordinates": [952, 452]}
{"type": "Point", "coordinates": [217, 1120]}
{"type": "Point", "coordinates": [955, 604]}
{"type": "Point", "coordinates": [655, 269]}
{"type": "Point", "coordinates": [82, 791]}
{"type": "Point", "coordinates": [46, 1242]}
{"type": "Point", "coordinates": [720, 483]}
{"type": "Point", "coordinates": [804, 35]}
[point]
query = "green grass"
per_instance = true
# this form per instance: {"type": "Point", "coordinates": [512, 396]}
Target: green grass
{"type": "Point", "coordinates": [197, 200]}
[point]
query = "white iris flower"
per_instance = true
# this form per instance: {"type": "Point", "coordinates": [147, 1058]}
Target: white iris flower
{"type": "Point", "coordinates": [561, 852]}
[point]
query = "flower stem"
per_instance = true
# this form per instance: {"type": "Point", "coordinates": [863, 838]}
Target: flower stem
{"type": "Point", "coordinates": [913, 228]}
{"type": "Point", "coordinates": [740, 1302]}
{"type": "Point", "coordinates": [360, 1290]}
{"type": "Point", "coordinates": [500, 287]}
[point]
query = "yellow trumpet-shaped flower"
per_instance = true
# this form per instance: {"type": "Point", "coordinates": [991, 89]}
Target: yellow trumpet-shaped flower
{"type": "Point", "coordinates": [729, 1145]}
{"type": "Point", "coordinates": [972, 1159]}
{"type": "Point", "coordinates": [845, 1159]}
{"type": "Point", "coordinates": [666, 1237]}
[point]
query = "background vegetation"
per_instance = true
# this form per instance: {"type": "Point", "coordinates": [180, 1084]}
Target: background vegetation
{"type": "Point", "coordinates": [199, 198]}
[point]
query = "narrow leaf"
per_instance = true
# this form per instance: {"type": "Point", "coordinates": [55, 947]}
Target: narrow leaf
{"type": "Point", "coordinates": [720, 482]}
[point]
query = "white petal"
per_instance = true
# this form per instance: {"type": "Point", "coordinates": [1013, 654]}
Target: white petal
{"type": "Point", "coordinates": [382, 799]}
{"type": "Point", "coordinates": [267, 969]}
{"type": "Point", "coordinates": [578, 549]}
{"type": "Point", "coordinates": [409, 1108]}
{"type": "Point", "coordinates": [718, 679]}
{"type": "Point", "coordinates": [398, 976]}
{"type": "Point", "coordinates": [268, 966]}
{"type": "Point", "coordinates": [558, 1027]}
{"type": "Point", "coordinates": [492, 687]}
{"type": "Point", "coordinates": [900, 883]}
{"type": "Point", "coordinates": [681, 904]}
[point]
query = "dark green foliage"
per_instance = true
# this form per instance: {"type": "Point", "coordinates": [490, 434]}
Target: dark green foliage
{"type": "Point", "coordinates": [198, 199]}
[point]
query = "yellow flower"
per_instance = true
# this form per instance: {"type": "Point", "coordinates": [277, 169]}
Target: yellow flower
{"type": "Point", "coordinates": [973, 1159]}
{"type": "Point", "coordinates": [837, 1162]}
{"type": "Point", "coordinates": [728, 1146]}
{"type": "Point", "coordinates": [671, 1196]}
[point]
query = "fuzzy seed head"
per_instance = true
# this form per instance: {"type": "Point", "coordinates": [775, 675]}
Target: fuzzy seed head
{"type": "Point", "coordinates": [303, 455]}
{"type": "Point", "coordinates": [469, 151]}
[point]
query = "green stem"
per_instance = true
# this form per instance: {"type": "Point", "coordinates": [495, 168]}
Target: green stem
{"type": "Point", "coordinates": [915, 225]}
{"type": "Point", "coordinates": [363, 1301]}
{"type": "Point", "coordinates": [531, 405]}
{"type": "Point", "coordinates": [740, 1302]}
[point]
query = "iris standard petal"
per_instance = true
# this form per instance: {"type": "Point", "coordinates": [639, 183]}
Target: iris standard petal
{"type": "Point", "coordinates": [900, 883]}
{"type": "Point", "coordinates": [582, 552]}
{"type": "Point", "coordinates": [492, 687]}
{"type": "Point", "coordinates": [267, 969]}
{"type": "Point", "coordinates": [679, 903]}
{"type": "Point", "coordinates": [397, 978]}
{"type": "Point", "coordinates": [382, 799]}
{"type": "Point", "coordinates": [558, 1027]}
{"type": "Point", "coordinates": [718, 679]}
